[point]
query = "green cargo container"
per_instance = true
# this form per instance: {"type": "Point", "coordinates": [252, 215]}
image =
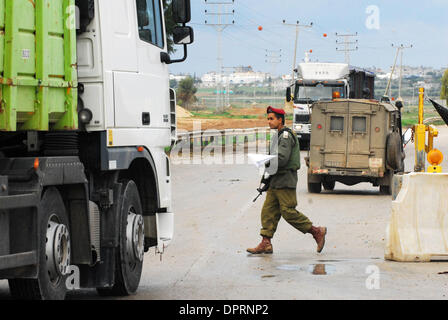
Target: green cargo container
{"type": "Point", "coordinates": [38, 77]}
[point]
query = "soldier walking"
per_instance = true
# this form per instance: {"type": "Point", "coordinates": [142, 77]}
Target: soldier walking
{"type": "Point", "coordinates": [281, 198]}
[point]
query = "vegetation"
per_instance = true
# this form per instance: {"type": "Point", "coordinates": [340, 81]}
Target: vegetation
{"type": "Point", "coordinates": [186, 92]}
{"type": "Point", "coordinates": [444, 90]}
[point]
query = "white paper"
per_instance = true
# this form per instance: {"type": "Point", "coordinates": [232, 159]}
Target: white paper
{"type": "Point", "coordinates": [259, 159]}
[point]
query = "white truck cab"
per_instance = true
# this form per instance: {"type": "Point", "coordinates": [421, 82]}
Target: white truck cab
{"type": "Point", "coordinates": [316, 82]}
{"type": "Point", "coordinates": [88, 186]}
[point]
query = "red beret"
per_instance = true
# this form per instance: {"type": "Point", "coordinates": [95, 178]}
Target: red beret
{"type": "Point", "coordinates": [274, 110]}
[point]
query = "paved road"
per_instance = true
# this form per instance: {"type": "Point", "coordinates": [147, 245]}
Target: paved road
{"type": "Point", "coordinates": [216, 221]}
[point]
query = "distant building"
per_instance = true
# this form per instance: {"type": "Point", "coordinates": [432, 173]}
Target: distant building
{"type": "Point", "coordinates": [241, 75]}
{"type": "Point", "coordinates": [179, 77]}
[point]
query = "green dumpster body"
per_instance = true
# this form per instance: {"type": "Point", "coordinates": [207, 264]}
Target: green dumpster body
{"type": "Point", "coordinates": [38, 76]}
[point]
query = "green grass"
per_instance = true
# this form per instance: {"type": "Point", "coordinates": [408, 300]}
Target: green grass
{"type": "Point", "coordinates": [409, 116]}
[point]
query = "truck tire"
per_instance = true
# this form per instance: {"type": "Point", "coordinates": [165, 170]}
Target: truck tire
{"type": "Point", "coordinates": [329, 185]}
{"type": "Point", "coordinates": [394, 155]}
{"type": "Point", "coordinates": [314, 187]}
{"type": "Point", "coordinates": [130, 252]}
{"type": "Point", "coordinates": [53, 253]}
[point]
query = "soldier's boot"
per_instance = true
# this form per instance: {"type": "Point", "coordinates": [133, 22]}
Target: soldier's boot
{"type": "Point", "coordinates": [265, 246]}
{"type": "Point", "coordinates": [319, 235]}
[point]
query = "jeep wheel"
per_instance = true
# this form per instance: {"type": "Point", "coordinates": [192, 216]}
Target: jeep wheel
{"type": "Point", "coordinates": [329, 185]}
{"type": "Point", "coordinates": [385, 190]}
{"type": "Point", "coordinates": [314, 187]}
{"type": "Point", "coordinates": [394, 155]}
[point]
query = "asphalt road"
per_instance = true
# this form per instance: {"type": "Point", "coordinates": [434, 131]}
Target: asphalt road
{"type": "Point", "coordinates": [216, 221]}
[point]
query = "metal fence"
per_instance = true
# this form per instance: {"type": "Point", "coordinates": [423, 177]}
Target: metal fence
{"type": "Point", "coordinates": [228, 136]}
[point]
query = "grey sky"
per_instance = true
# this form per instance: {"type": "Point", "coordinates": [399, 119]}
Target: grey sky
{"type": "Point", "coordinates": [421, 23]}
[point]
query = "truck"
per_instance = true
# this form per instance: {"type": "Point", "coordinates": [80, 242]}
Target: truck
{"type": "Point", "coordinates": [354, 141]}
{"type": "Point", "coordinates": [86, 114]}
{"type": "Point", "coordinates": [321, 81]}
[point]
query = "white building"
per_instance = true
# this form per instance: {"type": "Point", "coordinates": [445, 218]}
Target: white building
{"type": "Point", "coordinates": [242, 75]}
{"type": "Point", "coordinates": [179, 77]}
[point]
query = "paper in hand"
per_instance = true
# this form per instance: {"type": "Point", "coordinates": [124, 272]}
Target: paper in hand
{"type": "Point", "coordinates": [259, 159]}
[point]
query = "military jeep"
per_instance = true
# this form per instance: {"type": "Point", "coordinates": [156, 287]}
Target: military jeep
{"type": "Point", "coordinates": [354, 141]}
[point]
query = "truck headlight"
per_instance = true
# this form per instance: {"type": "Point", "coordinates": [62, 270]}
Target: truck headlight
{"type": "Point", "coordinates": [298, 127]}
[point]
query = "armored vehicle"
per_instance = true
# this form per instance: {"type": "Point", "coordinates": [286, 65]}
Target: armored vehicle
{"type": "Point", "coordinates": [318, 81]}
{"type": "Point", "coordinates": [354, 141]}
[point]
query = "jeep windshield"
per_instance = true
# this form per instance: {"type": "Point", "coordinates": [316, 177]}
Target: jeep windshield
{"type": "Point", "coordinates": [307, 94]}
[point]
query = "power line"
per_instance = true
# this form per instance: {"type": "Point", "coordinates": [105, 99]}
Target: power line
{"type": "Point", "coordinates": [399, 48]}
{"type": "Point", "coordinates": [274, 58]}
{"type": "Point", "coordinates": [347, 45]}
{"type": "Point", "coordinates": [297, 26]}
{"type": "Point", "coordinates": [220, 15]}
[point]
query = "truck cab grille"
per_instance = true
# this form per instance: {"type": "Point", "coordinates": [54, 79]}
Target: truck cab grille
{"type": "Point", "coordinates": [302, 118]}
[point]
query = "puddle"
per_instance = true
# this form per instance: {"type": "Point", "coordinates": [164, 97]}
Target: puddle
{"type": "Point", "coordinates": [321, 269]}
{"type": "Point", "coordinates": [289, 267]}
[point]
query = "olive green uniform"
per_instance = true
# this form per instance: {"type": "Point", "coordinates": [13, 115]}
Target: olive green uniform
{"type": "Point", "coordinates": [281, 198]}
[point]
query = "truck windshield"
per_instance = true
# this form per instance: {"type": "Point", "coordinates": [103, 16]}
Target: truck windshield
{"type": "Point", "coordinates": [310, 94]}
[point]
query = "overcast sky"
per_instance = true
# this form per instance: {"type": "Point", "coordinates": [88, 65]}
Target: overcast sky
{"type": "Point", "coordinates": [379, 24]}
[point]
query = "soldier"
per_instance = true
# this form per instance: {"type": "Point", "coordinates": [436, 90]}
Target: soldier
{"type": "Point", "coordinates": [281, 198]}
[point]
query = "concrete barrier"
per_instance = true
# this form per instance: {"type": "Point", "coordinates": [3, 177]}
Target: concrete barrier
{"type": "Point", "coordinates": [418, 230]}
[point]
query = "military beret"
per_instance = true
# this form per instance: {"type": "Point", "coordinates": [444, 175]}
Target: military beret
{"type": "Point", "coordinates": [274, 110]}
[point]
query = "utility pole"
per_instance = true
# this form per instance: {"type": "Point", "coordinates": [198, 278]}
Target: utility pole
{"type": "Point", "coordinates": [220, 16]}
{"type": "Point", "coordinates": [399, 48]}
{"type": "Point", "coordinates": [297, 27]}
{"type": "Point", "coordinates": [347, 44]}
{"type": "Point", "coordinates": [274, 58]}
{"type": "Point", "coordinates": [227, 71]}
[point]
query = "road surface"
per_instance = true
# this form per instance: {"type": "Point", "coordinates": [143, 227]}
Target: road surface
{"type": "Point", "coordinates": [216, 221]}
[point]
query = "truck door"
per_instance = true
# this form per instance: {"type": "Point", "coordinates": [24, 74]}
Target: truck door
{"type": "Point", "coordinates": [335, 152]}
{"type": "Point", "coordinates": [142, 98]}
{"type": "Point", "coordinates": [358, 143]}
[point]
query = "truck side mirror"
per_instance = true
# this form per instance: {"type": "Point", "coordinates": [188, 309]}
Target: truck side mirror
{"type": "Point", "coordinates": [183, 35]}
{"type": "Point", "coordinates": [181, 11]}
{"type": "Point", "coordinates": [288, 94]}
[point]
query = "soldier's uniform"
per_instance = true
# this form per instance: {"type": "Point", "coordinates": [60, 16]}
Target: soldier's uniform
{"type": "Point", "coordinates": [281, 198]}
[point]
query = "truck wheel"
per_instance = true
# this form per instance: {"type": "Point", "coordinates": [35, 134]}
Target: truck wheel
{"type": "Point", "coordinates": [329, 185]}
{"type": "Point", "coordinates": [53, 251]}
{"type": "Point", "coordinates": [304, 145]}
{"type": "Point", "coordinates": [314, 187]}
{"type": "Point", "coordinates": [129, 256]}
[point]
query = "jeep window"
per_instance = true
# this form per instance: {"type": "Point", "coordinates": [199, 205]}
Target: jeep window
{"type": "Point", "coordinates": [337, 124]}
{"type": "Point", "coordinates": [150, 25]}
{"type": "Point", "coordinates": [359, 125]}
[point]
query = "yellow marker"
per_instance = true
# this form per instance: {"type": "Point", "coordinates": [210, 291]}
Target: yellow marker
{"type": "Point", "coordinates": [435, 158]}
